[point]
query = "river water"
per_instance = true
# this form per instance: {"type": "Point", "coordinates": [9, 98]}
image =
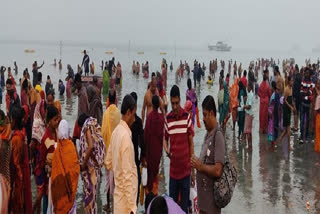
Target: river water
{"type": "Point", "coordinates": [270, 180]}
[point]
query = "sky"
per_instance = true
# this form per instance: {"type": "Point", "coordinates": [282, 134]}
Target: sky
{"type": "Point", "coordinates": [271, 24]}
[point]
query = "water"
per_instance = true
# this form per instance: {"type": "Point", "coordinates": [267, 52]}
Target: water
{"type": "Point", "coordinates": [270, 181]}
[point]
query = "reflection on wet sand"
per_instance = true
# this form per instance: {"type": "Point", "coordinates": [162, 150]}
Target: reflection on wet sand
{"type": "Point", "coordinates": [271, 180]}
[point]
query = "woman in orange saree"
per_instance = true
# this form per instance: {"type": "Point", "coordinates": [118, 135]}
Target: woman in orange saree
{"type": "Point", "coordinates": [65, 172]}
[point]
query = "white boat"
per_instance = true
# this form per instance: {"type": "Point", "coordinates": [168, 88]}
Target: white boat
{"type": "Point", "coordinates": [220, 46]}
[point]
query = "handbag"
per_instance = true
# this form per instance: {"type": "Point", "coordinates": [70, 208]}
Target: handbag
{"type": "Point", "coordinates": [224, 186]}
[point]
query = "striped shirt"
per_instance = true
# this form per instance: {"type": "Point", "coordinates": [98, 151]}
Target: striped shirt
{"type": "Point", "coordinates": [306, 91]}
{"type": "Point", "coordinates": [178, 131]}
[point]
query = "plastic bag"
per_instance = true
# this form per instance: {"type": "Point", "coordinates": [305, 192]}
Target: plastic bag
{"type": "Point", "coordinates": [144, 176]}
{"type": "Point", "coordinates": [194, 200]}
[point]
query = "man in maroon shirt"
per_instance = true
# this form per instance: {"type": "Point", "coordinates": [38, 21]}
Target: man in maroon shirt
{"type": "Point", "coordinates": [178, 129]}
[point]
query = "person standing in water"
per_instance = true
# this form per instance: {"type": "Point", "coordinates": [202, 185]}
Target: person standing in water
{"type": "Point", "coordinates": [147, 102]}
{"type": "Point", "coordinates": [264, 92]}
{"type": "Point", "coordinates": [35, 69]}
{"type": "Point", "coordinates": [153, 139]}
{"type": "Point", "coordinates": [15, 68]}
{"type": "Point", "coordinates": [213, 151]}
{"type": "Point", "coordinates": [288, 107]}
{"type": "Point", "coordinates": [118, 74]}
{"type": "Point", "coordinates": [138, 143]}
{"type": "Point", "coordinates": [60, 65]}
{"type": "Point", "coordinates": [2, 70]}
{"type": "Point", "coordinates": [179, 132]}
{"type": "Point", "coordinates": [91, 156]}
{"type": "Point", "coordinates": [317, 112]}
{"type": "Point", "coordinates": [111, 119]}
{"type": "Point", "coordinates": [249, 116]}
{"type": "Point", "coordinates": [306, 92]}
{"type": "Point", "coordinates": [83, 104]}
{"type": "Point", "coordinates": [85, 63]}
{"type": "Point", "coordinates": [20, 197]}
{"type": "Point", "coordinates": [120, 159]}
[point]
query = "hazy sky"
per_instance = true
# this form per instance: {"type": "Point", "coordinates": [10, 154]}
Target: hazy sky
{"type": "Point", "coordinates": [243, 23]}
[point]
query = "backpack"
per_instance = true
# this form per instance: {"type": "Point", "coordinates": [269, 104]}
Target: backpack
{"type": "Point", "coordinates": [224, 186]}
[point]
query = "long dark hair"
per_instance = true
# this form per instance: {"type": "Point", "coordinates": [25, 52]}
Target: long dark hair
{"type": "Point", "coordinates": [241, 87]}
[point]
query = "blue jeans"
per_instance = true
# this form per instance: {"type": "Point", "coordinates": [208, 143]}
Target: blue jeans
{"type": "Point", "coordinates": [181, 186]}
{"type": "Point", "coordinates": [304, 127]}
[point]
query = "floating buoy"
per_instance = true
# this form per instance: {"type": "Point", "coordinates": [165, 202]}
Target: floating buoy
{"type": "Point", "coordinates": [29, 51]}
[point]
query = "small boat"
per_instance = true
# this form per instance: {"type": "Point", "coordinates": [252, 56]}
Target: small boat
{"type": "Point", "coordinates": [140, 52]}
{"type": "Point", "coordinates": [163, 53]}
{"type": "Point", "coordinates": [29, 51]}
{"type": "Point", "coordinates": [108, 52]}
{"type": "Point", "coordinates": [220, 46]}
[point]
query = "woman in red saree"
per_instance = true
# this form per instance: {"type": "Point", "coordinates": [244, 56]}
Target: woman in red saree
{"type": "Point", "coordinates": [264, 93]}
{"type": "Point", "coordinates": [20, 197]}
{"type": "Point", "coordinates": [5, 156]}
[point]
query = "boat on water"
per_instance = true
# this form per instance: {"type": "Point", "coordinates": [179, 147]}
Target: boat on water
{"type": "Point", "coordinates": [29, 51]}
{"type": "Point", "coordinates": [220, 46]}
{"type": "Point", "coordinates": [108, 52]}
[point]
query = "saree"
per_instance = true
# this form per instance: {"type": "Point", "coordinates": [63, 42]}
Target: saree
{"type": "Point", "coordinates": [95, 105]}
{"type": "Point", "coordinates": [264, 93]}
{"type": "Point", "coordinates": [64, 176]}
{"type": "Point", "coordinates": [43, 169]}
{"type": "Point", "coordinates": [5, 155]}
{"type": "Point", "coordinates": [271, 118]}
{"type": "Point", "coordinates": [191, 95]}
{"type": "Point", "coordinates": [276, 117]}
{"type": "Point", "coordinates": [20, 197]}
{"type": "Point", "coordinates": [68, 89]}
{"type": "Point", "coordinates": [225, 105]}
{"type": "Point", "coordinates": [234, 102]}
{"type": "Point", "coordinates": [38, 127]}
{"type": "Point", "coordinates": [111, 119]}
{"type": "Point", "coordinates": [105, 80]}
{"type": "Point", "coordinates": [91, 175]}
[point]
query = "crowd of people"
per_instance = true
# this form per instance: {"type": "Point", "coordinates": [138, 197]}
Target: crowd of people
{"type": "Point", "coordinates": [36, 139]}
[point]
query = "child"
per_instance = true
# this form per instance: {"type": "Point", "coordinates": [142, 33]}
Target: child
{"type": "Point", "coordinates": [209, 82]}
{"type": "Point", "coordinates": [61, 88]}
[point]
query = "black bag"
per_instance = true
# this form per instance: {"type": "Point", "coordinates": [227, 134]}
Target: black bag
{"type": "Point", "coordinates": [224, 186]}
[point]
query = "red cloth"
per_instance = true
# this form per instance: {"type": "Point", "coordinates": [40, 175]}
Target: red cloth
{"type": "Point", "coordinates": [244, 81]}
{"type": "Point", "coordinates": [153, 139]}
{"type": "Point", "coordinates": [264, 93]}
{"type": "Point", "coordinates": [76, 131]}
{"type": "Point", "coordinates": [25, 172]}
{"type": "Point", "coordinates": [15, 96]}
{"type": "Point", "coordinates": [44, 151]}
{"type": "Point", "coordinates": [178, 130]}
{"type": "Point", "coordinates": [24, 98]}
